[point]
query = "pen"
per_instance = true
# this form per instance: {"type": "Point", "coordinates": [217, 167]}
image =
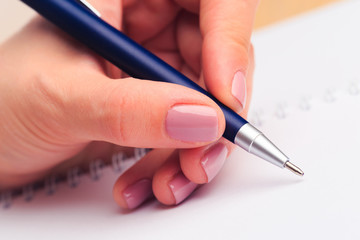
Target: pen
{"type": "Point", "coordinates": [83, 22]}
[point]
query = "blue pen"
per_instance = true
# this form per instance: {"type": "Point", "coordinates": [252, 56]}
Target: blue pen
{"type": "Point", "coordinates": [83, 22]}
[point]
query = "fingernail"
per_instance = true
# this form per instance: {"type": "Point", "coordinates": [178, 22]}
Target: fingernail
{"type": "Point", "coordinates": [137, 193]}
{"type": "Point", "coordinates": [213, 160]}
{"type": "Point", "coordinates": [192, 123]}
{"type": "Point", "coordinates": [181, 187]}
{"type": "Point", "coordinates": [238, 88]}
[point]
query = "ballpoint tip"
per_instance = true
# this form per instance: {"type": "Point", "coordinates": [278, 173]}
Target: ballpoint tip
{"type": "Point", "coordinates": [294, 168]}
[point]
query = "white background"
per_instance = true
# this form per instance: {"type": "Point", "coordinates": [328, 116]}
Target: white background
{"type": "Point", "coordinates": [250, 199]}
{"type": "Point", "coordinates": [13, 15]}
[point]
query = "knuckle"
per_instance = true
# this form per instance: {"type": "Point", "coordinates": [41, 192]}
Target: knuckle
{"type": "Point", "coordinates": [243, 54]}
{"type": "Point", "coordinates": [47, 91]}
{"type": "Point", "coordinates": [115, 106]}
{"type": "Point", "coordinates": [234, 39]}
{"type": "Point", "coordinates": [45, 103]}
{"type": "Point", "coordinates": [241, 45]}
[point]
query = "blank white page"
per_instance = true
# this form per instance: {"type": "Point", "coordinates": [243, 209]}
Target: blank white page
{"type": "Point", "coordinates": [306, 99]}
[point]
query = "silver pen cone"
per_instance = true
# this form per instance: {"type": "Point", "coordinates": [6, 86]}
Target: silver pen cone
{"type": "Point", "coordinates": [255, 142]}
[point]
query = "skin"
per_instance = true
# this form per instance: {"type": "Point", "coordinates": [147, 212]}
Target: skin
{"type": "Point", "coordinates": [61, 105]}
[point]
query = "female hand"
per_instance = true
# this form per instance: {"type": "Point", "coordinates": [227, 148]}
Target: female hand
{"type": "Point", "coordinates": [60, 103]}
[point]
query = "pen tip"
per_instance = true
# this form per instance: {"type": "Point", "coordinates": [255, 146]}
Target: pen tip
{"type": "Point", "coordinates": [294, 168]}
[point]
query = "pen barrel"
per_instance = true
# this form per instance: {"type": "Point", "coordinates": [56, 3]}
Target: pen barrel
{"type": "Point", "coordinates": [122, 51]}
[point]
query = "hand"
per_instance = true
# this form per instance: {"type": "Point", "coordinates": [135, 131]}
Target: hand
{"type": "Point", "coordinates": [60, 103]}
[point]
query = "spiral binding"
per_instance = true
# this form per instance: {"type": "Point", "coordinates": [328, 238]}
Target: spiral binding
{"type": "Point", "coordinates": [354, 88]}
{"type": "Point", "coordinates": [281, 110]}
{"type": "Point", "coordinates": [95, 169]}
{"type": "Point", "coordinates": [50, 185]}
{"type": "Point", "coordinates": [72, 177]}
{"type": "Point", "coordinates": [305, 104]}
{"type": "Point", "coordinates": [119, 159]}
{"type": "Point", "coordinates": [28, 193]}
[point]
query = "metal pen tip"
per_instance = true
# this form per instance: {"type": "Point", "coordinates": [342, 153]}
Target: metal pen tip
{"type": "Point", "coordinates": [294, 168]}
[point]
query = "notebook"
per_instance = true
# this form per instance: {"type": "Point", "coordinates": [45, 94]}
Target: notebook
{"type": "Point", "coordinates": [306, 99]}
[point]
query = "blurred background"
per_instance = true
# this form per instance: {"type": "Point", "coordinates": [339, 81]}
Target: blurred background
{"type": "Point", "coordinates": [14, 14]}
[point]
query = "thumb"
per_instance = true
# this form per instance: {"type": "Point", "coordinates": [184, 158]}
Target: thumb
{"type": "Point", "coordinates": [226, 30]}
{"type": "Point", "coordinates": [140, 113]}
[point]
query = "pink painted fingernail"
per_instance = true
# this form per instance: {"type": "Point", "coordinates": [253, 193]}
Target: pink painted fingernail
{"type": "Point", "coordinates": [238, 89]}
{"type": "Point", "coordinates": [181, 187]}
{"type": "Point", "coordinates": [192, 123]}
{"type": "Point", "coordinates": [137, 193]}
{"type": "Point", "coordinates": [213, 160]}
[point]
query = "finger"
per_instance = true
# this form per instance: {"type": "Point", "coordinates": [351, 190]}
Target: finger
{"type": "Point", "coordinates": [189, 40]}
{"type": "Point", "coordinates": [131, 112]}
{"type": "Point", "coordinates": [192, 6]}
{"type": "Point", "coordinates": [163, 41]}
{"type": "Point", "coordinates": [145, 19]}
{"type": "Point", "coordinates": [249, 80]}
{"type": "Point", "coordinates": [111, 11]}
{"type": "Point", "coordinates": [135, 186]}
{"type": "Point", "coordinates": [201, 165]}
{"type": "Point", "coordinates": [189, 73]}
{"type": "Point", "coordinates": [170, 186]}
{"type": "Point", "coordinates": [226, 29]}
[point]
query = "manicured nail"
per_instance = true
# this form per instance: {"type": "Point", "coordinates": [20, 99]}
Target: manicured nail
{"type": "Point", "coordinates": [181, 187]}
{"type": "Point", "coordinates": [238, 89]}
{"type": "Point", "coordinates": [192, 123]}
{"type": "Point", "coordinates": [137, 193]}
{"type": "Point", "coordinates": [213, 160]}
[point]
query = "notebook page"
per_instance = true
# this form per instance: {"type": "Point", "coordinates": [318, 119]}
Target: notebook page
{"type": "Point", "coordinates": [250, 199]}
{"type": "Point", "coordinates": [307, 54]}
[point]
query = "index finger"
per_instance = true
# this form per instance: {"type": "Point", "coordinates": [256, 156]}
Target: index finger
{"type": "Point", "coordinates": [226, 30]}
